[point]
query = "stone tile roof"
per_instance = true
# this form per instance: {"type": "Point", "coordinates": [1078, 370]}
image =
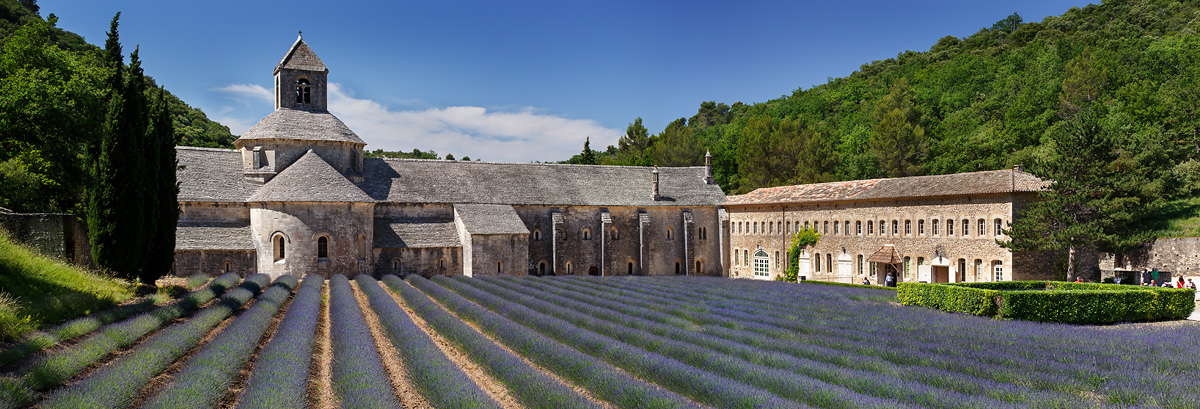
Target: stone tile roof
{"type": "Point", "coordinates": [211, 175]}
{"type": "Point", "coordinates": [415, 234]}
{"type": "Point", "coordinates": [958, 184]}
{"type": "Point", "coordinates": [490, 219]}
{"type": "Point", "coordinates": [295, 124]}
{"type": "Point", "coordinates": [301, 57]}
{"type": "Point", "coordinates": [439, 181]}
{"type": "Point", "coordinates": [309, 179]}
{"type": "Point", "coordinates": [213, 236]}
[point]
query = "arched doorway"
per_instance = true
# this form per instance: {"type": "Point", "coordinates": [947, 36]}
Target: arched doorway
{"type": "Point", "coordinates": [593, 271]}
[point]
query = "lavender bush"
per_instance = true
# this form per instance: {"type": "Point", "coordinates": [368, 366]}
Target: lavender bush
{"type": "Point", "coordinates": [280, 375]}
{"type": "Point", "coordinates": [206, 375]}
{"type": "Point", "coordinates": [117, 384]}
{"type": "Point", "coordinates": [359, 378]}
{"type": "Point", "coordinates": [532, 388]}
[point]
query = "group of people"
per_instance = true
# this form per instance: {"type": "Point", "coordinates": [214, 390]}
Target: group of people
{"type": "Point", "coordinates": [1150, 279]}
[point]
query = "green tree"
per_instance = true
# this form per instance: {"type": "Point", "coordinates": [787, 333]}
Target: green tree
{"type": "Point", "coordinates": [633, 149]}
{"type": "Point", "coordinates": [1081, 86]}
{"type": "Point", "coordinates": [677, 146]}
{"type": "Point", "coordinates": [898, 139]}
{"type": "Point", "coordinates": [164, 196]}
{"type": "Point", "coordinates": [587, 157]}
{"type": "Point", "coordinates": [1098, 197]}
{"type": "Point", "coordinates": [765, 153]}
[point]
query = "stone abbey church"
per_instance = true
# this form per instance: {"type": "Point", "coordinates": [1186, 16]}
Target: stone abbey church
{"type": "Point", "coordinates": [296, 196]}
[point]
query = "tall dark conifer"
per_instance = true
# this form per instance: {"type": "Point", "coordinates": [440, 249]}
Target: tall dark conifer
{"type": "Point", "coordinates": [166, 191]}
{"type": "Point", "coordinates": [102, 203]}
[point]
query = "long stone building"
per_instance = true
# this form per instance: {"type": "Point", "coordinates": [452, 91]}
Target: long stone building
{"type": "Point", "coordinates": [926, 228]}
{"type": "Point", "coordinates": [297, 196]}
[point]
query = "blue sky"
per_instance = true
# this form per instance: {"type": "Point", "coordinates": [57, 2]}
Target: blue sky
{"type": "Point", "coordinates": [520, 80]}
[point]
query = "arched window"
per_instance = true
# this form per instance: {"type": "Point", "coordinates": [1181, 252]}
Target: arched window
{"type": "Point", "coordinates": [699, 267]}
{"type": "Point", "coordinates": [895, 227]}
{"type": "Point", "coordinates": [817, 260]}
{"type": "Point", "coordinates": [670, 233]}
{"type": "Point", "coordinates": [770, 227]}
{"type": "Point", "coordinates": [677, 270]}
{"type": "Point", "coordinates": [846, 228]}
{"type": "Point", "coordinates": [442, 263]}
{"type": "Point", "coordinates": [882, 228]}
{"type": "Point", "coordinates": [907, 227]}
{"type": "Point", "coordinates": [303, 91]}
{"type": "Point", "coordinates": [826, 229]}
{"type": "Point", "coordinates": [835, 227]}
{"type": "Point", "coordinates": [921, 227]}
{"type": "Point", "coordinates": [762, 264]}
{"type": "Point", "coordinates": [998, 268]}
{"type": "Point", "coordinates": [934, 227]}
{"type": "Point", "coordinates": [777, 264]}
{"type": "Point", "coordinates": [978, 270]}
{"type": "Point", "coordinates": [228, 266]}
{"type": "Point", "coordinates": [542, 268]}
{"type": "Point", "coordinates": [860, 264]}
{"type": "Point", "coordinates": [500, 266]}
{"type": "Point", "coordinates": [949, 227]}
{"type": "Point", "coordinates": [280, 246]}
{"type": "Point", "coordinates": [737, 257]}
{"type": "Point", "coordinates": [630, 268]}
{"type": "Point", "coordinates": [396, 264]}
{"type": "Point", "coordinates": [870, 227]}
{"type": "Point", "coordinates": [982, 229]}
{"type": "Point", "coordinates": [829, 263]}
{"type": "Point", "coordinates": [568, 268]}
{"type": "Point", "coordinates": [537, 235]}
{"type": "Point", "coordinates": [966, 225]}
{"type": "Point", "coordinates": [746, 257]}
{"type": "Point", "coordinates": [362, 247]}
{"type": "Point", "coordinates": [322, 247]}
{"type": "Point", "coordinates": [962, 267]}
{"type": "Point", "coordinates": [999, 228]}
{"type": "Point", "coordinates": [858, 228]}
{"type": "Point", "coordinates": [614, 233]}
{"type": "Point", "coordinates": [587, 234]}
{"type": "Point", "coordinates": [907, 267]}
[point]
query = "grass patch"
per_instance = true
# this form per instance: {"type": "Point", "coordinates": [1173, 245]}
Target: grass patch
{"type": "Point", "coordinates": [36, 290]}
{"type": "Point", "coordinates": [1179, 218]}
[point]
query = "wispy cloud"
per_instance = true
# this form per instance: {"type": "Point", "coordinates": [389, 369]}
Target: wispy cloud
{"type": "Point", "coordinates": [251, 95]}
{"type": "Point", "coordinates": [520, 135]}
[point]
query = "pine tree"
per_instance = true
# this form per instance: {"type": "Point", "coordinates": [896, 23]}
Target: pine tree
{"type": "Point", "coordinates": [588, 157]}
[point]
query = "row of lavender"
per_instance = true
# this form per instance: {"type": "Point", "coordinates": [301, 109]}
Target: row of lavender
{"type": "Point", "coordinates": [1026, 363]}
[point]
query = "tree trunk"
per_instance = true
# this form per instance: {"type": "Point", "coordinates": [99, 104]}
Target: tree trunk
{"type": "Point", "coordinates": [1071, 263]}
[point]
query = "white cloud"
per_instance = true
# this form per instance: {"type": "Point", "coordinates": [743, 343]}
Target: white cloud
{"type": "Point", "coordinates": [248, 94]}
{"type": "Point", "coordinates": [522, 135]}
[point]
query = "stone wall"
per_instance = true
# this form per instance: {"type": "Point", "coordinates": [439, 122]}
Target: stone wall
{"type": "Point", "coordinates": [214, 262]}
{"type": "Point", "coordinates": [851, 232]}
{"type": "Point", "coordinates": [1176, 256]}
{"type": "Point", "coordinates": [58, 235]}
{"type": "Point", "coordinates": [302, 225]}
{"type": "Point", "coordinates": [426, 262]}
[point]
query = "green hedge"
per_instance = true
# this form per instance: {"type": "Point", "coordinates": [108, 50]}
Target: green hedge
{"type": "Point", "coordinates": [1050, 301]}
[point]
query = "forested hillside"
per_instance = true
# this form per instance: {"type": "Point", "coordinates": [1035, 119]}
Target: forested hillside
{"type": "Point", "coordinates": [984, 102]}
{"type": "Point", "coordinates": [51, 108]}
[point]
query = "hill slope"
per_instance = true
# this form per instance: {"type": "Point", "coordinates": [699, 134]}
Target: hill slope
{"type": "Point", "coordinates": [982, 102]}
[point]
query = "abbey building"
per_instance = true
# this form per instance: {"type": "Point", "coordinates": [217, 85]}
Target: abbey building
{"type": "Point", "coordinates": [297, 196]}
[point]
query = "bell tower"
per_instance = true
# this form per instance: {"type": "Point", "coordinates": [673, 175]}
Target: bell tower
{"type": "Point", "coordinates": [301, 79]}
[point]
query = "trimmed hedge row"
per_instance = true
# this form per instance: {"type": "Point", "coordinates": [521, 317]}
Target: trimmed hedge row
{"type": "Point", "coordinates": [1050, 301]}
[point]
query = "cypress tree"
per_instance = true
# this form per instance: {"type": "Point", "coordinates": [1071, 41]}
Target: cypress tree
{"type": "Point", "coordinates": [101, 196]}
{"type": "Point", "coordinates": [166, 191]}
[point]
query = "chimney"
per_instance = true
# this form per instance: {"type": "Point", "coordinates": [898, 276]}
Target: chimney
{"type": "Point", "coordinates": [654, 179]}
{"type": "Point", "coordinates": [708, 178]}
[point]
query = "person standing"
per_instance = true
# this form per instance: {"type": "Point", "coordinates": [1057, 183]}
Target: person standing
{"type": "Point", "coordinates": [866, 281]}
{"type": "Point", "coordinates": [890, 280]}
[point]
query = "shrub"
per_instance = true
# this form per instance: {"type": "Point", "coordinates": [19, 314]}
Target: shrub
{"type": "Point", "coordinates": [1050, 301]}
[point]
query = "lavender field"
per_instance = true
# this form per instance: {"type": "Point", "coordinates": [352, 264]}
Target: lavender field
{"type": "Point", "coordinates": [628, 342]}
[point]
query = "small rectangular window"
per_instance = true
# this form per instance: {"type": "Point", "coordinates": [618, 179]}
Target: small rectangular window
{"type": "Point", "coordinates": [982, 230]}
{"type": "Point", "coordinates": [907, 227]}
{"type": "Point", "coordinates": [895, 228]}
{"type": "Point", "coordinates": [921, 227]}
{"type": "Point", "coordinates": [999, 228]}
{"type": "Point", "coordinates": [934, 227]}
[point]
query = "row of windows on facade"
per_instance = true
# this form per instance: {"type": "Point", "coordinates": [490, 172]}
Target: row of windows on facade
{"type": "Point", "coordinates": [762, 265]}
{"type": "Point", "coordinates": [824, 227]}
{"type": "Point", "coordinates": [615, 234]}
{"type": "Point", "coordinates": [280, 247]}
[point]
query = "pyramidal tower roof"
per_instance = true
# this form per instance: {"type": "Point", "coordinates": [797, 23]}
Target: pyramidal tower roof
{"type": "Point", "coordinates": [301, 57]}
{"type": "Point", "coordinates": [310, 179]}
